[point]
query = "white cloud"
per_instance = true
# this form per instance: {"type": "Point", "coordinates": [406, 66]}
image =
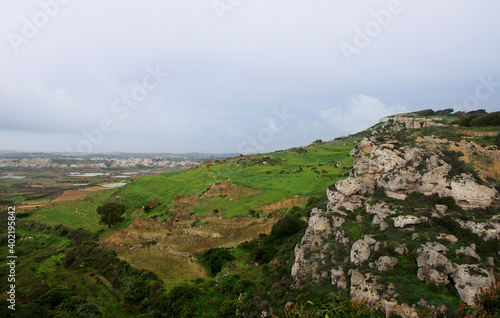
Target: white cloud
{"type": "Point", "coordinates": [361, 112]}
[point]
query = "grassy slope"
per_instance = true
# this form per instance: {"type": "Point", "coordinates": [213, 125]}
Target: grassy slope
{"type": "Point", "coordinates": [260, 184]}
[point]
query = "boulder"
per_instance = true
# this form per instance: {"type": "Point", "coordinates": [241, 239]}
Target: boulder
{"type": "Point", "coordinates": [360, 252]}
{"type": "Point", "coordinates": [404, 220]}
{"type": "Point", "coordinates": [469, 279]}
{"type": "Point", "coordinates": [433, 267]}
{"type": "Point", "coordinates": [339, 278]}
{"type": "Point", "coordinates": [386, 263]}
{"type": "Point", "coordinates": [469, 251]}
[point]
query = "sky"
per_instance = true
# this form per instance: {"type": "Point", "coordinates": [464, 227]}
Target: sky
{"type": "Point", "coordinates": [234, 76]}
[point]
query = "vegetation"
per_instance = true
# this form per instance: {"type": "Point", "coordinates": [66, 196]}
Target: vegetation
{"type": "Point", "coordinates": [111, 213]}
{"type": "Point", "coordinates": [218, 239]}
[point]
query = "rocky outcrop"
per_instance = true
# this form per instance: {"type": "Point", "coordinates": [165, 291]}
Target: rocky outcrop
{"type": "Point", "coordinates": [469, 279]}
{"type": "Point", "coordinates": [401, 171]}
{"type": "Point", "coordinates": [310, 249]}
{"type": "Point", "coordinates": [433, 266]}
{"type": "Point", "coordinates": [386, 166]}
{"type": "Point", "coordinates": [398, 123]}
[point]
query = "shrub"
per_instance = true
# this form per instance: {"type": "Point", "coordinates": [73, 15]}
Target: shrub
{"type": "Point", "coordinates": [151, 205]}
{"type": "Point", "coordinates": [215, 259]}
{"type": "Point", "coordinates": [179, 302]}
{"type": "Point", "coordinates": [492, 119]}
{"type": "Point", "coordinates": [285, 227]}
{"type": "Point", "coordinates": [111, 213]}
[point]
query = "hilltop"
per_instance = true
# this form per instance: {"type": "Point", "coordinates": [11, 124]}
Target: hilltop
{"type": "Point", "coordinates": [403, 211]}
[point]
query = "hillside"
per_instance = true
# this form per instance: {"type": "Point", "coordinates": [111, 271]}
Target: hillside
{"type": "Point", "coordinates": [404, 211]}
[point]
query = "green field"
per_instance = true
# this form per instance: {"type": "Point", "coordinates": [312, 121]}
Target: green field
{"type": "Point", "coordinates": [256, 181]}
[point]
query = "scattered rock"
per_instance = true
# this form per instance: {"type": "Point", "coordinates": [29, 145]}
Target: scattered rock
{"type": "Point", "coordinates": [469, 251]}
{"type": "Point", "coordinates": [441, 208]}
{"type": "Point", "coordinates": [447, 237]}
{"type": "Point", "coordinates": [339, 278]}
{"type": "Point", "coordinates": [360, 252]}
{"type": "Point", "coordinates": [404, 220]}
{"type": "Point", "coordinates": [401, 249]}
{"type": "Point", "coordinates": [386, 263]}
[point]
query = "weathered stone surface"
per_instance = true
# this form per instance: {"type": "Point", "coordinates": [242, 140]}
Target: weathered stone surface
{"type": "Point", "coordinates": [398, 170]}
{"type": "Point", "coordinates": [401, 249]}
{"type": "Point", "coordinates": [441, 208]}
{"type": "Point", "coordinates": [364, 286]}
{"type": "Point", "coordinates": [404, 220]}
{"type": "Point", "coordinates": [393, 309]}
{"type": "Point", "coordinates": [339, 278]}
{"type": "Point", "coordinates": [381, 213]}
{"type": "Point", "coordinates": [469, 251]}
{"type": "Point", "coordinates": [433, 267]}
{"type": "Point", "coordinates": [485, 230]}
{"type": "Point", "coordinates": [386, 263]}
{"type": "Point", "coordinates": [360, 252]}
{"type": "Point", "coordinates": [450, 238]}
{"type": "Point", "coordinates": [369, 240]}
{"type": "Point", "coordinates": [318, 229]}
{"type": "Point", "coordinates": [337, 221]}
{"type": "Point", "coordinates": [470, 195]}
{"type": "Point", "coordinates": [469, 279]}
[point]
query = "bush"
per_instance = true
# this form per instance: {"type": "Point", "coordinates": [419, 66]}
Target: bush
{"type": "Point", "coordinates": [285, 227]}
{"type": "Point", "coordinates": [111, 213]}
{"type": "Point", "coordinates": [179, 302]}
{"type": "Point", "coordinates": [215, 259]}
{"type": "Point", "coordinates": [487, 304]}
{"type": "Point", "coordinates": [492, 119]}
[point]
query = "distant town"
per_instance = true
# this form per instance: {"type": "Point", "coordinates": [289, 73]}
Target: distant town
{"type": "Point", "coordinates": [99, 163]}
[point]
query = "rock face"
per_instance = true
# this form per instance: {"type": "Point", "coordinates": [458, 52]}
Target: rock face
{"type": "Point", "coordinates": [433, 266]}
{"type": "Point", "coordinates": [361, 250]}
{"type": "Point", "coordinates": [469, 279]}
{"type": "Point", "coordinates": [318, 229]}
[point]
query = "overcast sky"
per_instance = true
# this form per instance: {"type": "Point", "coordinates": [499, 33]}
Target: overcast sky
{"type": "Point", "coordinates": [243, 76]}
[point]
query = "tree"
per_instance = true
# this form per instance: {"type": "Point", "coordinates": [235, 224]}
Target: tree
{"type": "Point", "coordinates": [111, 213]}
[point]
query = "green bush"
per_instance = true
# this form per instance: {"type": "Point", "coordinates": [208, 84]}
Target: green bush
{"type": "Point", "coordinates": [179, 302]}
{"type": "Point", "coordinates": [492, 119]}
{"type": "Point", "coordinates": [285, 227]}
{"type": "Point", "coordinates": [111, 213]}
{"type": "Point", "coordinates": [215, 259]}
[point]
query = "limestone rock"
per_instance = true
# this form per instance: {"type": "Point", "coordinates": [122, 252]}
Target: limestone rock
{"type": "Point", "coordinates": [386, 263]}
{"type": "Point", "coordinates": [441, 208]}
{"type": "Point", "coordinates": [486, 230]}
{"type": "Point", "coordinates": [404, 220]}
{"type": "Point", "coordinates": [317, 231]}
{"type": "Point", "coordinates": [339, 278]}
{"type": "Point", "coordinates": [469, 251]}
{"type": "Point", "coordinates": [401, 249]}
{"type": "Point", "coordinates": [369, 240]}
{"type": "Point", "coordinates": [364, 286]}
{"type": "Point", "coordinates": [433, 267]}
{"type": "Point", "coordinates": [360, 252]}
{"type": "Point", "coordinates": [450, 238]}
{"type": "Point", "coordinates": [470, 195]}
{"type": "Point", "coordinates": [468, 280]}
